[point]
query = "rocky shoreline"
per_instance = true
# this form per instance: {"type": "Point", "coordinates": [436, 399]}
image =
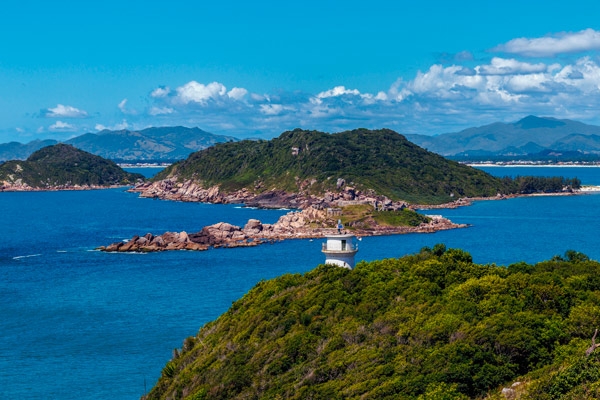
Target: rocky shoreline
{"type": "Point", "coordinates": [312, 221]}
{"type": "Point", "coordinates": [6, 187]}
{"type": "Point", "coordinates": [171, 189]}
{"type": "Point", "coordinates": [305, 224]}
{"type": "Point", "coordinates": [467, 201]}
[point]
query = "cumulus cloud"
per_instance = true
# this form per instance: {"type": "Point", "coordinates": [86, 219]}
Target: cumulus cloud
{"type": "Point", "coordinates": [338, 91]}
{"type": "Point", "coordinates": [194, 92]}
{"type": "Point", "coordinates": [161, 91]}
{"type": "Point", "coordinates": [62, 111]}
{"type": "Point", "coordinates": [60, 126]}
{"type": "Point", "coordinates": [553, 45]}
{"type": "Point", "coordinates": [441, 98]}
{"type": "Point", "coordinates": [237, 93]}
{"type": "Point", "coordinates": [503, 66]}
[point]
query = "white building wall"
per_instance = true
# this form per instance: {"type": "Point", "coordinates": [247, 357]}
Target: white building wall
{"type": "Point", "coordinates": [340, 250]}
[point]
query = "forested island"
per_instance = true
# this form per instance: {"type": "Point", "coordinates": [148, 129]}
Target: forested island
{"type": "Point", "coordinates": [429, 325]}
{"type": "Point", "coordinates": [301, 169]}
{"type": "Point", "coordinates": [63, 167]}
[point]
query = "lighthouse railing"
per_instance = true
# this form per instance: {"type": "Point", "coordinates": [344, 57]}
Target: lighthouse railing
{"type": "Point", "coordinates": [347, 248]}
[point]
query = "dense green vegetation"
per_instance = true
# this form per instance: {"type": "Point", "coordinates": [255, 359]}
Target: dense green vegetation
{"type": "Point", "coordinates": [379, 160]}
{"type": "Point", "coordinates": [63, 164]}
{"type": "Point", "coordinates": [364, 216]}
{"type": "Point", "coordinates": [429, 325]}
{"type": "Point", "coordinates": [535, 184]}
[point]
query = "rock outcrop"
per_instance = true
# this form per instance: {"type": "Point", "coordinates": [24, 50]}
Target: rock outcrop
{"type": "Point", "coordinates": [309, 223]}
{"type": "Point", "coordinates": [171, 189]}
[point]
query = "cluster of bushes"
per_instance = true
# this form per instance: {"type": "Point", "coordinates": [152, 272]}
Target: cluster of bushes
{"type": "Point", "coordinates": [421, 326]}
{"type": "Point", "coordinates": [540, 184]}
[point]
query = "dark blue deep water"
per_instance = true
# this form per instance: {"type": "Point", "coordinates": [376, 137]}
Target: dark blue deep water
{"type": "Point", "coordinates": [76, 323]}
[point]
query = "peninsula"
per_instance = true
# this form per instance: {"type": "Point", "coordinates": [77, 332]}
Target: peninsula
{"type": "Point", "coordinates": [63, 167]}
{"type": "Point", "coordinates": [430, 325]}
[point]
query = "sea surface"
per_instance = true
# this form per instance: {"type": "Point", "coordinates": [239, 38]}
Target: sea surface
{"type": "Point", "coordinates": [76, 323]}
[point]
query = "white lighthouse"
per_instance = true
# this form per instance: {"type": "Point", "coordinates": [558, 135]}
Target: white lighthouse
{"type": "Point", "coordinates": [340, 250]}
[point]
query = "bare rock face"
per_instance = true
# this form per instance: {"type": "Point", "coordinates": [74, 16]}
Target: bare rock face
{"type": "Point", "coordinates": [257, 196]}
{"type": "Point", "coordinates": [253, 227]}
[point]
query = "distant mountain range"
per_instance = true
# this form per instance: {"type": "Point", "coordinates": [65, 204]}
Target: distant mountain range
{"type": "Point", "coordinates": [164, 143]}
{"type": "Point", "coordinates": [20, 151]}
{"type": "Point", "coordinates": [529, 137]}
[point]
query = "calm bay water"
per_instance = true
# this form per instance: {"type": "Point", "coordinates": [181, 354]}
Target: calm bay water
{"type": "Point", "coordinates": [80, 324]}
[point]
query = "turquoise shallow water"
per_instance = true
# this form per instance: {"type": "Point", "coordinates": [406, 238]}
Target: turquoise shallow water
{"type": "Point", "coordinates": [80, 324]}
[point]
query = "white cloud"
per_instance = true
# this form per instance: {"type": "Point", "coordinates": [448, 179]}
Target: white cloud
{"type": "Point", "coordinates": [126, 110]}
{"type": "Point", "coordinates": [259, 97]}
{"type": "Point", "coordinates": [62, 111]}
{"type": "Point", "coordinates": [271, 109]}
{"type": "Point", "coordinates": [199, 93]}
{"type": "Point", "coordinates": [60, 126]}
{"type": "Point", "coordinates": [160, 92]}
{"type": "Point", "coordinates": [550, 46]}
{"type": "Point", "coordinates": [529, 83]}
{"type": "Point", "coordinates": [116, 127]}
{"type": "Point", "coordinates": [503, 66]}
{"type": "Point", "coordinates": [160, 110]}
{"type": "Point", "coordinates": [338, 91]}
{"type": "Point", "coordinates": [442, 98]}
{"type": "Point", "coordinates": [120, 126]}
{"type": "Point", "coordinates": [237, 93]}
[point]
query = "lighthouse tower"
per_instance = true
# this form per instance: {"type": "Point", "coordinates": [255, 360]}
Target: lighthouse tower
{"type": "Point", "coordinates": [340, 250]}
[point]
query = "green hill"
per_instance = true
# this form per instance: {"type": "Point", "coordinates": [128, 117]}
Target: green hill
{"type": "Point", "coordinates": [64, 165]}
{"type": "Point", "coordinates": [379, 160]}
{"type": "Point", "coordinates": [433, 325]}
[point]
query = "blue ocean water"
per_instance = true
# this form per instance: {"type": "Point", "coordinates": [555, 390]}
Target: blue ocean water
{"type": "Point", "coordinates": [76, 323]}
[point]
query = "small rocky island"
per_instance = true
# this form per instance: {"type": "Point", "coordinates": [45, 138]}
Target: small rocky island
{"type": "Point", "coordinates": [361, 220]}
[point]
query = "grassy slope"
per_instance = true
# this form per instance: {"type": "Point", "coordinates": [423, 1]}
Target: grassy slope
{"type": "Point", "coordinates": [381, 160]}
{"type": "Point", "coordinates": [411, 327]}
{"type": "Point", "coordinates": [63, 164]}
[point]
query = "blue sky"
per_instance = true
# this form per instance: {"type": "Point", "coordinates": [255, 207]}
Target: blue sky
{"type": "Point", "coordinates": [256, 69]}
